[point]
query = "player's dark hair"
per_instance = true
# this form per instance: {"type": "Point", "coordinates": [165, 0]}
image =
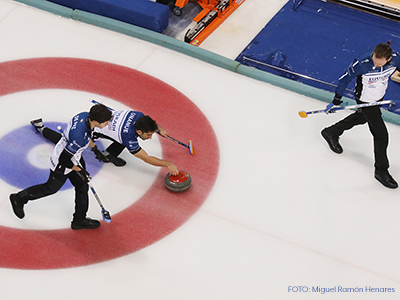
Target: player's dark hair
{"type": "Point", "coordinates": [383, 50]}
{"type": "Point", "coordinates": [146, 124]}
{"type": "Point", "coordinates": [100, 113]}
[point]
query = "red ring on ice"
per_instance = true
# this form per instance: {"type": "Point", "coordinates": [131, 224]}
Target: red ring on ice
{"type": "Point", "coordinates": [158, 212]}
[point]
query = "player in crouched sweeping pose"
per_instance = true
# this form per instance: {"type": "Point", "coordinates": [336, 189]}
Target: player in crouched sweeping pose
{"type": "Point", "coordinates": [124, 129]}
{"type": "Point", "coordinates": [66, 162]}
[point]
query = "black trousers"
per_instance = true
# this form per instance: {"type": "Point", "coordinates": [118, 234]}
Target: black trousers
{"type": "Point", "coordinates": [373, 116]}
{"type": "Point", "coordinates": [56, 181]}
{"type": "Point", "coordinates": [115, 147]}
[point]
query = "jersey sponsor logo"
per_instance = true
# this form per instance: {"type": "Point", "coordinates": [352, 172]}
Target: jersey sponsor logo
{"type": "Point", "coordinates": [133, 145]}
{"type": "Point", "coordinates": [372, 80]}
{"type": "Point", "coordinates": [382, 77]}
{"type": "Point", "coordinates": [128, 123]}
{"type": "Point", "coordinates": [52, 162]}
{"type": "Point", "coordinates": [74, 122]}
{"type": "Point", "coordinates": [114, 121]}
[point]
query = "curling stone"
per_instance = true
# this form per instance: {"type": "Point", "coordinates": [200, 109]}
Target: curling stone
{"type": "Point", "coordinates": [178, 183]}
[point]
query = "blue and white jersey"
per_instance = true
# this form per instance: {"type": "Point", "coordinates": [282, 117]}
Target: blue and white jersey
{"type": "Point", "coordinates": [75, 140]}
{"type": "Point", "coordinates": [121, 129]}
{"type": "Point", "coordinates": [371, 82]}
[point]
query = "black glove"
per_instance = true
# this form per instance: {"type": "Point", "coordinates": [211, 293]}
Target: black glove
{"type": "Point", "coordinates": [99, 155]}
{"type": "Point", "coordinates": [84, 175]}
{"type": "Point", "coordinates": [336, 99]}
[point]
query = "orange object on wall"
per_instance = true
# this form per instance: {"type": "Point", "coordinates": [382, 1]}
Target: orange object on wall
{"type": "Point", "coordinates": [213, 14]}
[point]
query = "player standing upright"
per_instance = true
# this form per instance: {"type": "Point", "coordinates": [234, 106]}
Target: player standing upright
{"type": "Point", "coordinates": [372, 72]}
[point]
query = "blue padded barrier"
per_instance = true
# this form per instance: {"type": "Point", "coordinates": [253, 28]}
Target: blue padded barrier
{"type": "Point", "coordinates": [317, 42]}
{"type": "Point", "coordinates": [143, 13]}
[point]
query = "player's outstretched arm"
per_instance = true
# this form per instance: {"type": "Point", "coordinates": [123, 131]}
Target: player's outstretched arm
{"type": "Point", "coordinates": [162, 131]}
{"type": "Point", "coordinates": [152, 160]}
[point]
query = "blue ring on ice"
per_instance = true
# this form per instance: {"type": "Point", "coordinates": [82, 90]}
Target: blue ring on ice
{"type": "Point", "coordinates": [18, 171]}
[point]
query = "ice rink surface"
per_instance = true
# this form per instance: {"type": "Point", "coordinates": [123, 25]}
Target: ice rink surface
{"type": "Point", "coordinates": [284, 211]}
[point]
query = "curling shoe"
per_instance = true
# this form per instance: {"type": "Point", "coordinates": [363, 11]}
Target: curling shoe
{"type": "Point", "coordinates": [17, 206]}
{"type": "Point", "coordinates": [38, 124]}
{"type": "Point", "coordinates": [86, 223]}
{"type": "Point", "coordinates": [118, 162]}
{"type": "Point", "coordinates": [333, 141]}
{"type": "Point", "coordinates": [386, 179]}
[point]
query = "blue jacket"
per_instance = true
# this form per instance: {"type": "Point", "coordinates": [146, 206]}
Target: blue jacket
{"type": "Point", "coordinates": [74, 141]}
{"type": "Point", "coordinates": [371, 82]}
